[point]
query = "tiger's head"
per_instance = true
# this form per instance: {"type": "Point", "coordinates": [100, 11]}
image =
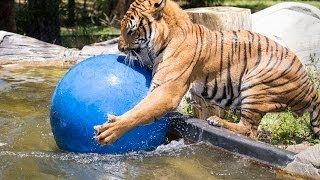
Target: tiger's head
{"type": "Point", "coordinates": [139, 27]}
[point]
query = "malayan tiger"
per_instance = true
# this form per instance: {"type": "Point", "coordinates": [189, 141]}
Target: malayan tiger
{"type": "Point", "coordinates": [232, 69]}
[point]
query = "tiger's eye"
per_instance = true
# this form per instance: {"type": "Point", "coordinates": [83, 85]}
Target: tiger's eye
{"type": "Point", "coordinates": [156, 5]}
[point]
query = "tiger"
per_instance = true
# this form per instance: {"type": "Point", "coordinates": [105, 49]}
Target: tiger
{"type": "Point", "coordinates": [240, 70]}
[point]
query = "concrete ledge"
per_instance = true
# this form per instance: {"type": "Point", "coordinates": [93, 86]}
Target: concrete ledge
{"type": "Point", "coordinates": [199, 130]}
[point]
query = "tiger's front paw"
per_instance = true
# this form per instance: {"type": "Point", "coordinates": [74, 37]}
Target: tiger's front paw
{"type": "Point", "coordinates": [110, 131]}
{"type": "Point", "coordinates": [215, 121]}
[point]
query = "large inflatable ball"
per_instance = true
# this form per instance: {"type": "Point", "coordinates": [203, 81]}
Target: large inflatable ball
{"type": "Point", "coordinates": [91, 90]}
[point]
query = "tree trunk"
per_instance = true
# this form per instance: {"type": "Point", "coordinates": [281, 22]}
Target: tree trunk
{"type": "Point", "coordinates": [71, 12]}
{"type": "Point", "coordinates": [44, 22]}
{"type": "Point", "coordinates": [216, 19]}
{"type": "Point", "coordinates": [7, 16]}
{"type": "Point", "coordinates": [221, 18]}
{"type": "Point", "coordinates": [120, 10]}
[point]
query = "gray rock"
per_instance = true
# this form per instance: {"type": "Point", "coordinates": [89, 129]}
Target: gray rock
{"type": "Point", "coordinates": [294, 25]}
{"type": "Point", "coordinates": [16, 47]}
{"type": "Point", "coordinates": [297, 148]}
{"type": "Point", "coordinates": [19, 48]}
{"type": "Point", "coordinates": [106, 47]}
{"type": "Point", "coordinates": [307, 162]}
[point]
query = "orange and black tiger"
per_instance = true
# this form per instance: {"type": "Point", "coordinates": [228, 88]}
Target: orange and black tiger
{"type": "Point", "coordinates": [232, 69]}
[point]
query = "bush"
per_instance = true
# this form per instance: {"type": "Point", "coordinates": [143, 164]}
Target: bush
{"type": "Point", "coordinates": [285, 129]}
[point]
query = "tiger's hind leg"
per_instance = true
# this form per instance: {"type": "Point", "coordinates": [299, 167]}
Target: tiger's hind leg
{"type": "Point", "coordinates": [315, 119]}
{"type": "Point", "coordinates": [248, 124]}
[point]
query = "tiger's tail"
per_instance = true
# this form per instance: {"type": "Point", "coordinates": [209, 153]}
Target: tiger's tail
{"type": "Point", "coordinates": [315, 116]}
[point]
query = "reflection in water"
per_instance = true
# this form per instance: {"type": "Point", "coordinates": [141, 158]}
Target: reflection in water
{"type": "Point", "coordinates": [28, 150]}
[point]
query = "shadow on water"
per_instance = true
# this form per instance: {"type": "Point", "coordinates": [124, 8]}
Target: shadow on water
{"type": "Point", "coordinates": [28, 150]}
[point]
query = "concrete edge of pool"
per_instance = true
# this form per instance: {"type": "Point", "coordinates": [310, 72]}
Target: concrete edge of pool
{"type": "Point", "coordinates": [197, 130]}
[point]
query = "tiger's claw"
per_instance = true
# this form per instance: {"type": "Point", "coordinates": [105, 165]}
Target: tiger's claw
{"type": "Point", "coordinates": [213, 121]}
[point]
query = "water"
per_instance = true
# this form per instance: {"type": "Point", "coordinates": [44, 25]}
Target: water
{"type": "Point", "coordinates": [28, 150]}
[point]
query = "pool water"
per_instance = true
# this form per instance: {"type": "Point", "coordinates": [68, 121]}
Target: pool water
{"type": "Point", "coordinates": [28, 149]}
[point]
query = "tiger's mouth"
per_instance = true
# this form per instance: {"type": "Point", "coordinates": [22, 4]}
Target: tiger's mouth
{"type": "Point", "coordinates": [142, 56]}
{"type": "Point", "coordinates": [132, 56]}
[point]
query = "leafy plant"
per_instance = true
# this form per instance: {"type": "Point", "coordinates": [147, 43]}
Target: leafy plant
{"type": "Point", "coordinates": [283, 128]}
{"type": "Point", "coordinates": [313, 70]}
{"type": "Point", "coordinates": [233, 115]}
{"type": "Point", "coordinates": [185, 106]}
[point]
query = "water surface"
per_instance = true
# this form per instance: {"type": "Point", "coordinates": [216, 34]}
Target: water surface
{"type": "Point", "coordinates": [28, 149]}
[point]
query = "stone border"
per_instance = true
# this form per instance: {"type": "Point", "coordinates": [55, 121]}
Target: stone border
{"type": "Point", "coordinates": [199, 130]}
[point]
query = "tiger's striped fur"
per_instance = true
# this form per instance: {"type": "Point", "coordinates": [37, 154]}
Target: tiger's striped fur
{"type": "Point", "coordinates": [232, 69]}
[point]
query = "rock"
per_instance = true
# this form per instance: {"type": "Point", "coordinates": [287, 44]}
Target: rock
{"type": "Point", "coordinates": [294, 25]}
{"type": "Point", "coordinates": [16, 47]}
{"type": "Point", "coordinates": [106, 47]}
{"type": "Point", "coordinates": [297, 148]}
{"type": "Point", "coordinates": [307, 162]}
{"type": "Point", "coordinates": [19, 48]}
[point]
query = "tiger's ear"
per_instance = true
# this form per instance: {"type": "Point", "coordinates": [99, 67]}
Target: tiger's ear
{"type": "Point", "coordinates": [157, 8]}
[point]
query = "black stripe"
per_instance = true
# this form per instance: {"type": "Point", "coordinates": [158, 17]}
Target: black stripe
{"type": "Point", "coordinates": [245, 62]}
{"type": "Point", "coordinates": [259, 51]}
{"type": "Point", "coordinates": [205, 88]}
{"type": "Point", "coordinates": [252, 37]}
{"type": "Point", "coordinates": [267, 44]}
{"type": "Point", "coordinates": [249, 44]}
{"type": "Point", "coordinates": [216, 48]}
{"type": "Point", "coordinates": [221, 56]}
{"type": "Point", "coordinates": [235, 42]}
{"type": "Point", "coordinates": [287, 52]}
{"type": "Point", "coordinates": [229, 83]}
{"type": "Point", "coordinates": [215, 89]}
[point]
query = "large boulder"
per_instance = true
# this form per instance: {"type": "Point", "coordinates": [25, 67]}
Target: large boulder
{"type": "Point", "coordinates": [106, 47]}
{"type": "Point", "coordinates": [16, 47]}
{"type": "Point", "coordinates": [307, 162]}
{"type": "Point", "coordinates": [19, 48]}
{"type": "Point", "coordinates": [294, 25]}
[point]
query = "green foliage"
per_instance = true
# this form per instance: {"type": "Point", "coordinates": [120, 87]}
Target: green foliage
{"type": "Point", "coordinates": [202, 3]}
{"type": "Point", "coordinates": [84, 12]}
{"type": "Point", "coordinates": [232, 115]}
{"type": "Point", "coordinates": [313, 70]}
{"type": "Point", "coordinates": [283, 128]}
{"type": "Point", "coordinates": [89, 30]}
{"type": "Point", "coordinates": [185, 106]}
{"type": "Point", "coordinates": [80, 36]}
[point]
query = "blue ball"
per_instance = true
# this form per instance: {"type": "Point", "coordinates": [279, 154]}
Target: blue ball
{"type": "Point", "coordinates": [90, 90]}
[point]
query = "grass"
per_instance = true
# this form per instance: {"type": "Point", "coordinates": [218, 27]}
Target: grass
{"type": "Point", "coordinates": [79, 36]}
{"type": "Point", "coordinates": [89, 30]}
{"type": "Point", "coordinates": [285, 129]}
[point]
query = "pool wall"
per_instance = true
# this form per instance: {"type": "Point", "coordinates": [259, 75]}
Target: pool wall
{"type": "Point", "coordinates": [197, 130]}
